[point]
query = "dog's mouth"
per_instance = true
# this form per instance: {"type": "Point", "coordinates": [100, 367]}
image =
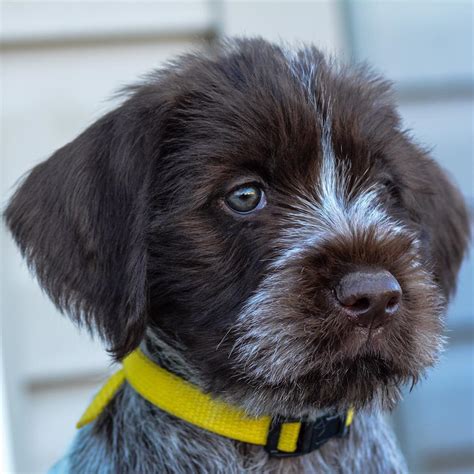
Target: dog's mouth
{"type": "Point", "coordinates": [368, 333]}
{"type": "Point", "coordinates": [367, 341]}
{"type": "Point", "coordinates": [351, 382]}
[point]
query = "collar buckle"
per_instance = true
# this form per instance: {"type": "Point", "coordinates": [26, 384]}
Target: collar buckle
{"type": "Point", "coordinates": [312, 435]}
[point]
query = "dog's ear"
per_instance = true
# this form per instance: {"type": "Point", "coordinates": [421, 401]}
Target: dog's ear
{"type": "Point", "coordinates": [445, 221]}
{"type": "Point", "coordinates": [80, 220]}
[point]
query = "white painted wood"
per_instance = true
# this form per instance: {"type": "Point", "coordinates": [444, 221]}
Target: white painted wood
{"type": "Point", "coordinates": [418, 42]}
{"type": "Point", "coordinates": [318, 22]}
{"type": "Point", "coordinates": [445, 126]}
{"type": "Point", "coordinates": [52, 413]}
{"type": "Point", "coordinates": [72, 19]}
{"type": "Point", "coordinates": [6, 460]}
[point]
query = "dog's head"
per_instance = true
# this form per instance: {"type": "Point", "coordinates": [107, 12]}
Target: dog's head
{"type": "Point", "coordinates": [264, 209]}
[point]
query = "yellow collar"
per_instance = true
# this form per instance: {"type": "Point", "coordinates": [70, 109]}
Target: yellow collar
{"type": "Point", "coordinates": [184, 400]}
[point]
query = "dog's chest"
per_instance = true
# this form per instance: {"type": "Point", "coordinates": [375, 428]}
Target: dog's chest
{"type": "Point", "coordinates": [133, 436]}
{"type": "Point", "coordinates": [331, 459]}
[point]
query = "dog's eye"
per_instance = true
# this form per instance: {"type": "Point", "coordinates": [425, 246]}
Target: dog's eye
{"type": "Point", "coordinates": [245, 199]}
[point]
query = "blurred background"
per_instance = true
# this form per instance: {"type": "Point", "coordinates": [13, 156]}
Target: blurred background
{"type": "Point", "coordinates": [61, 62]}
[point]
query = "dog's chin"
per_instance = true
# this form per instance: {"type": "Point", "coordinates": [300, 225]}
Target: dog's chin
{"type": "Point", "coordinates": [363, 377]}
{"type": "Point", "coordinates": [365, 382]}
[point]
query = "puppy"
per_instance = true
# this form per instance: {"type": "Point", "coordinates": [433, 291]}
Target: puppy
{"type": "Point", "coordinates": [256, 220]}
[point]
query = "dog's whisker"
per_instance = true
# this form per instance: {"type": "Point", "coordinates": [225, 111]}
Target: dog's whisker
{"type": "Point", "coordinates": [224, 337]}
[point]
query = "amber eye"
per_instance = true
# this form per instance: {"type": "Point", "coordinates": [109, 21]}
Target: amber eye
{"type": "Point", "coordinates": [245, 199]}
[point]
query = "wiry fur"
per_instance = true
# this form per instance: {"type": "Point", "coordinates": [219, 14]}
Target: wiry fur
{"type": "Point", "coordinates": [140, 438]}
{"type": "Point", "coordinates": [147, 440]}
{"type": "Point", "coordinates": [127, 230]}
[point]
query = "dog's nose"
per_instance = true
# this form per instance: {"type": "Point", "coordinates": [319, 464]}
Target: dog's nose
{"type": "Point", "coordinates": [369, 298]}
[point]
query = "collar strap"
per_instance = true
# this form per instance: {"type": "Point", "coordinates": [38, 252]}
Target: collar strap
{"type": "Point", "coordinates": [170, 393]}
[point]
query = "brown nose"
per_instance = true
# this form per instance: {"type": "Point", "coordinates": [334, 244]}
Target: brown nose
{"type": "Point", "coordinates": [369, 298]}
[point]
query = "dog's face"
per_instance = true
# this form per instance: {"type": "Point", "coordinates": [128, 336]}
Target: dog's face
{"type": "Point", "coordinates": [264, 210]}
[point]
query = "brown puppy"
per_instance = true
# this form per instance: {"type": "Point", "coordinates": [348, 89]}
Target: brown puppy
{"type": "Point", "coordinates": [259, 213]}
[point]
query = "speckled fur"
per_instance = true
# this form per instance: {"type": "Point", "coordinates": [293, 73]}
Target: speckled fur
{"type": "Point", "coordinates": [147, 440]}
{"type": "Point", "coordinates": [133, 436]}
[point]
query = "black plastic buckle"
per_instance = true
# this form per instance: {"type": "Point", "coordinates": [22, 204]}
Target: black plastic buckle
{"type": "Point", "coordinates": [312, 435]}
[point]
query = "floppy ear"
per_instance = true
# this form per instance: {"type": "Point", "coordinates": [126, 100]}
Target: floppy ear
{"type": "Point", "coordinates": [80, 220]}
{"type": "Point", "coordinates": [445, 222]}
